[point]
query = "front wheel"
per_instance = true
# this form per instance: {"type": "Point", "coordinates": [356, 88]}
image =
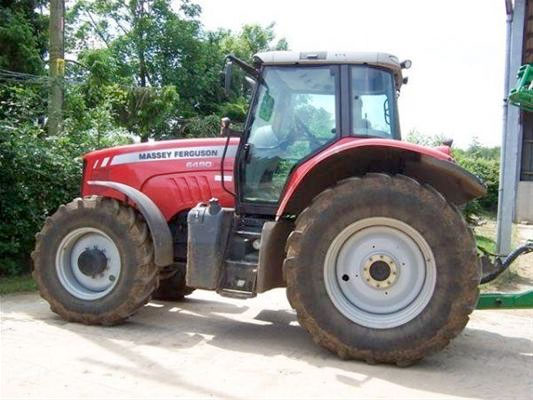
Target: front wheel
{"type": "Point", "coordinates": [382, 269]}
{"type": "Point", "coordinates": [93, 261]}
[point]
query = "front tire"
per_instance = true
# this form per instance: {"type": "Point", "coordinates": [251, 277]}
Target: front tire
{"type": "Point", "coordinates": [93, 261]}
{"type": "Point", "coordinates": [382, 269]}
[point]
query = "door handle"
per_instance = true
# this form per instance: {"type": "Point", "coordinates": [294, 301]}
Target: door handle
{"type": "Point", "coordinates": [247, 152]}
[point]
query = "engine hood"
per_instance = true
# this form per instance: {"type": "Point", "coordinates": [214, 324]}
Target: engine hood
{"type": "Point", "coordinates": [145, 150]}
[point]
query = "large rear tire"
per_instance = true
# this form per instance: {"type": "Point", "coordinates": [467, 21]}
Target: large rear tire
{"type": "Point", "coordinates": [382, 269]}
{"type": "Point", "coordinates": [93, 261]}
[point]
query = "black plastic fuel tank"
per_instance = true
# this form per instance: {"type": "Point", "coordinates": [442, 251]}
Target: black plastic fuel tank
{"type": "Point", "coordinates": [208, 231]}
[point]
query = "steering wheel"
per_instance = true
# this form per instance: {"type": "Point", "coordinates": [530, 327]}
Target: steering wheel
{"type": "Point", "coordinates": [386, 111]}
{"type": "Point", "coordinates": [308, 134]}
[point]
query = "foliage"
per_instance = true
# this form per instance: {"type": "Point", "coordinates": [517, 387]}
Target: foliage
{"type": "Point", "coordinates": [486, 243]}
{"type": "Point", "coordinates": [23, 36]}
{"type": "Point", "coordinates": [482, 161]}
{"type": "Point", "coordinates": [17, 284]}
{"type": "Point", "coordinates": [39, 172]}
{"type": "Point", "coordinates": [208, 126]}
{"type": "Point", "coordinates": [488, 170]}
{"type": "Point", "coordinates": [250, 40]}
{"type": "Point", "coordinates": [417, 137]}
{"type": "Point", "coordinates": [160, 44]}
{"type": "Point", "coordinates": [148, 111]}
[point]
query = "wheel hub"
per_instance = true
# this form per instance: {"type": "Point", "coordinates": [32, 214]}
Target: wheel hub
{"type": "Point", "coordinates": [88, 263]}
{"type": "Point", "coordinates": [92, 262]}
{"type": "Point", "coordinates": [380, 271]}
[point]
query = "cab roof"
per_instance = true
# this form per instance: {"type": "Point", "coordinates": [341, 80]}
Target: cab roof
{"type": "Point", "coordinates": [383, 60]}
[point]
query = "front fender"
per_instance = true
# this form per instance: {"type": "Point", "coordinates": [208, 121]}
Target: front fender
{"type": "Point", "coordinates": [161, 236]}
{"type": "Point", "coordinates": [355, 157]}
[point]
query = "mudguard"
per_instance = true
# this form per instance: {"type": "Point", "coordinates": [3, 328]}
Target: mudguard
{"type": "Point", "coordinates": [161, 236]}
{"type": "Point", "coordinates": [355, 157]}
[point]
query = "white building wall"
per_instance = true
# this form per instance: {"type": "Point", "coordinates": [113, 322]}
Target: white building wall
{"type": "Point", "coordinates": [524, 202]}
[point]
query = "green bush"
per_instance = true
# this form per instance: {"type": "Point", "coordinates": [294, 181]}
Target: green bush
{"type": "Point", "coordinates": [197, 127]}
{"type": "Point", "coordinates": [482, 161]}
{"type": "Point", "coordinates": [38, 173]}
{"type": "Point", "coordinates": [488, 170]}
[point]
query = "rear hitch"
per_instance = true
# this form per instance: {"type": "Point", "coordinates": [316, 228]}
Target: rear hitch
{"type": "Point", "coordinates": [493, 265]}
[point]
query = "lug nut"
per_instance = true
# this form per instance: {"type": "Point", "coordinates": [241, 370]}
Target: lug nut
{"type": "Point", "coordinates": [112, 278]}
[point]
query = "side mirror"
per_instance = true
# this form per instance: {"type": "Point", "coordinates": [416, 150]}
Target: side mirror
{"type": "Point", "coordinates": [227, 77]}
{"type": "Point", "coordinates": [226, 131]}
{"type": "Point", "coordinates": [224, 127]}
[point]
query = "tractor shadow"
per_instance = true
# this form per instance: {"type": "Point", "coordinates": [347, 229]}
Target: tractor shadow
{"type": "Point", "coordinates": [471, 362]}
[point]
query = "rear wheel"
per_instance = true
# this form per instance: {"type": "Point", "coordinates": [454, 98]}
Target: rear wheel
{"type": "Point", "coordinates": [382, 269]}
{"type": "Point", "coordinates": [93, 261]}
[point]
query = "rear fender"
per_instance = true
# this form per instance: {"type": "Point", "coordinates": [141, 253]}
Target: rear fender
{"type": "Point", "coordinates": [161, 236]}
{"type": "Point", "coordinates": [351, 157]}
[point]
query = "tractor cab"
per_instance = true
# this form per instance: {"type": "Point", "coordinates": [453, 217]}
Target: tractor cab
{"type": "Point", "coordinates": [302, 104]}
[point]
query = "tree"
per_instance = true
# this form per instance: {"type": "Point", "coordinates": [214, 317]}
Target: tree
{"type": "Point", "coordinates": [23, 36]}
{"type": "Point", "coordinates": [159, 46]}
{"type": "Point", "coordinates": [417, 137]}
{"type": "Point", "coordinates": [251, 39]}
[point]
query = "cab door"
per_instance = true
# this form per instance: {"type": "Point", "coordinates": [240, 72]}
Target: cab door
{"type": "Point", "coordinates": [294, 115]}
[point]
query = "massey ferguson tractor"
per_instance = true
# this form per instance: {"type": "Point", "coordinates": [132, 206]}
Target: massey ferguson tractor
{"type": "Point", "coordinates": [317, 194]}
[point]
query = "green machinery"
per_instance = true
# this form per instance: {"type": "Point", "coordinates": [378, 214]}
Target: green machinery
{"type": "Point", "coordinates": [522, 95]}
{"type": "Point", "coordinates": [493, 265]}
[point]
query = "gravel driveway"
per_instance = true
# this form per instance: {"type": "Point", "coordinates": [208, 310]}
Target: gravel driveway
{"type": "Point", "coordinates": [211, 346]}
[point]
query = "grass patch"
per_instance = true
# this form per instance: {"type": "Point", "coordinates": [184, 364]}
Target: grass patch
{"type": "Point", "coordinates": [15, 284]}
{"type": "Point", "coordinates": [486, 243]}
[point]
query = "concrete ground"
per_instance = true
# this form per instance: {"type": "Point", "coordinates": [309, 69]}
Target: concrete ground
{"type": "Point", "coordinates": [213, 347]}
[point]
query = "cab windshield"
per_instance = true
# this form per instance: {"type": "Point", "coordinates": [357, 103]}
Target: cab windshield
{"type": "Point", "coordinates": [296, 114]}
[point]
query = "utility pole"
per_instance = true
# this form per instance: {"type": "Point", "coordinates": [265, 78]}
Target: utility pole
{"type": "Point", "coordinates": [512, 127]}
{"type": "Point", "coordinates": [57, 66]}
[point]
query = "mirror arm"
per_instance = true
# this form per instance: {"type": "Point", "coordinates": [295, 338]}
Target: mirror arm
{"type": "Point", "coordinates": [245, 66]}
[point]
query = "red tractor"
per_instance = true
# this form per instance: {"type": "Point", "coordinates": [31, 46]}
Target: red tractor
{"type": "Point", "coordinates": [317, 194]}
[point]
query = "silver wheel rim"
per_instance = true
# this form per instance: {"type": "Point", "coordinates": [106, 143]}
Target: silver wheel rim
{"type": "Point", "coordinates": [77, 283]}
{"type": "Point", "coordinates": [395, 250]}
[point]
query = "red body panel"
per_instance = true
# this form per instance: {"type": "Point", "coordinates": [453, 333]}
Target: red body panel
{"type": "Point", "coordinates": [441, 153]}
{"type": "Point", "coordinates": [178, 174]}
{"type": "Point", "coordinates": [175, 174]}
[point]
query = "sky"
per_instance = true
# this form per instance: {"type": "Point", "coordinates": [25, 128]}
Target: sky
{"type": "Point", "coordinates": [457, 48]}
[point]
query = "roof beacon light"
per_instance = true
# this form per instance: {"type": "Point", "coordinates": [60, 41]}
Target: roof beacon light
{"type": "Point", "coordinates": [406, 64]}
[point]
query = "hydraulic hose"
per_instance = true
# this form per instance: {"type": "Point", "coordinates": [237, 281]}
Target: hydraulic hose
{"type": "Point", "coordinates": [502, 264]}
